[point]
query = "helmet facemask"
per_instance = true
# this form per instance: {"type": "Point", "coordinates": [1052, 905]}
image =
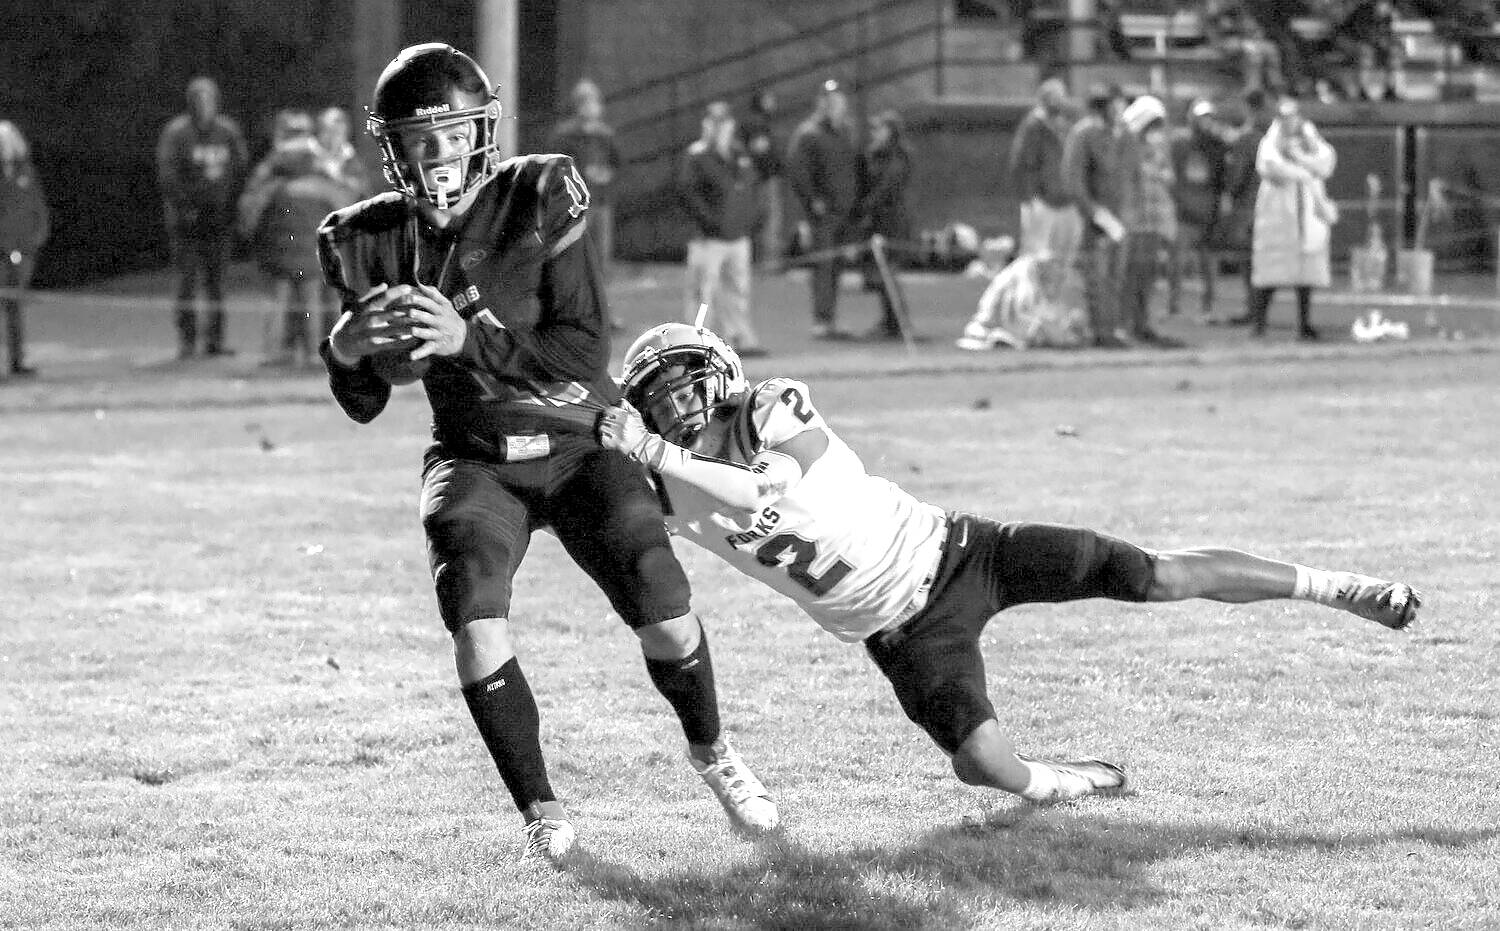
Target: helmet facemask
{"type": "Point", "coordinates": [679, 393]}
{"type": "Point", "coordinates": [432, 89]}
{"type": "Point", "coordinates": [470, 169]}
{"type": "Point", "coordinates": [679, 377]}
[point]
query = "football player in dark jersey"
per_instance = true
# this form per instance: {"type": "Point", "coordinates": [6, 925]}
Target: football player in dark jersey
{"type": "Point", "coordinates": [475, 275]}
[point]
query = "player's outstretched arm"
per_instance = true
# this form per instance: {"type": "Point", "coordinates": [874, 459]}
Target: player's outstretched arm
{"type": "Point", "coordinates": [746, 487]}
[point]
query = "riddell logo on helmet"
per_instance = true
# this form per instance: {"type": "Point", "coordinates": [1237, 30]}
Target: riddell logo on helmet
{"type": "Point", "coordinates": [428, 111]}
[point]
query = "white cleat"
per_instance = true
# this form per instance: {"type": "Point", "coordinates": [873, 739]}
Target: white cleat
{"type": "Point", "coordinates": [1392, 604]}
{"type": "Point", "coordinates": [1078, 778]}
{"type": "Point", "coordinates": [746, 801]}
{"type": "Point", "coordinates": [548, 839]}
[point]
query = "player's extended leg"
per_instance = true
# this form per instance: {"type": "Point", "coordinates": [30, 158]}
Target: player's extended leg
{"type": "Point", "coordinates": [611, 523]}
{"type": "Point", "coordinates": [477, 533]}
{"type": "Point", "coordinates": [1052, 563]}
{"type": "Point", "coordinates": [681, 668]}
{"type": "Point", "coordinates": [1230, 575]}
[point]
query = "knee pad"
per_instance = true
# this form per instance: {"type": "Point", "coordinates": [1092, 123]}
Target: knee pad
{"type": "Point", "coordinates": [657, 589]}
{"type": "Point", "coordinates": [951, 712]}
{"type": "Point", "coordinates": [471, 574]}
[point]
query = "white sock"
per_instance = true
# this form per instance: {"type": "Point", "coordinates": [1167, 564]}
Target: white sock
{"type": "Point", "coordinates": [1043, 784]}
{"type": "Point", "coordinates": [1319, 585]}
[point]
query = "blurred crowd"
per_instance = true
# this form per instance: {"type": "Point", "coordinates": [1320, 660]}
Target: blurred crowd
{"type": "Point", "coordinates": [1114, 193]}
{"type": "Point", "coordinates": [735, 181]}
{"type": "Point", "coordinates": [214, 198]}
{"type": "Point", "coordinates": [1325, 49]}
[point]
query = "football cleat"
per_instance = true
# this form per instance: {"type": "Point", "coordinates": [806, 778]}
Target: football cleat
{"type": "Point", "coordinates": [746, 801]}
{"type": "Point", "coordinates": [1078, 778]}
{"type": "Point", "coordinates": [548, 839]}
{"type": "Point", "coordinates": [1392, 604]}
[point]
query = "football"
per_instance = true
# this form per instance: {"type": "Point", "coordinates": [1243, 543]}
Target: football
{"type": "Point", "coordinates": [393, 364]}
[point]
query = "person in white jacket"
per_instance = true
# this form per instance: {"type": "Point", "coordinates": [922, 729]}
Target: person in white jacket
{"type": "Point", "coordinates": [1293, 217]}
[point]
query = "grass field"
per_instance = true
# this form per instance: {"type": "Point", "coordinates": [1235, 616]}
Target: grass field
{"type": "Point", "coordinates": [227, 702]}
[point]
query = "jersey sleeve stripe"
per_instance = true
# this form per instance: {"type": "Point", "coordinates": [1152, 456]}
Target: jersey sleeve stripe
{"type": "Point", "coordinates": [574, 233]}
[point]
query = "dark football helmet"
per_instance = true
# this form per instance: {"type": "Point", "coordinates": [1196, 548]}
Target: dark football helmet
{"type": "Point", "coordinates": [669, 358]}
{"type": "Point", "coordinates": [429, 87]}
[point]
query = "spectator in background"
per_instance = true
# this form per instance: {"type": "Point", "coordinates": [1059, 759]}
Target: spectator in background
{"type": "Point", "coordinates": [886, 172]}
{"type": "Point", "coordinates": [1293, 216]}
{"type": "Point", "coordinates": [24, 224]}
{"type": "Point", "coordinates": [1095, 172]}
{"type": "Point", "coordinates": [200, 161]}
{"type": "Point", "coordinates": [1235, 32]}
{"type": "Point", "coordinates": [717, 184]}
{"type": "Point", "coordinates": [341, 162]}
{"type": "Point", "coordinates": [1200, 159]}
{"type": "Point", "coordinates": [1051, 227]}
{"type": "Point", "coordinates": [591, 143]}
{"type": "Point", "coordinates": [284, 203]}
{"type": "Point", "coordinates": [757, 131]}
{"type": "Point", "coordinates": [1149, 214]}
{"type": "Point", "coordinates": [1243, 184]}
{"type": "Point", "coordinates": [822, 165]}
{"type": "Point", "coordinates": [1110, 41]}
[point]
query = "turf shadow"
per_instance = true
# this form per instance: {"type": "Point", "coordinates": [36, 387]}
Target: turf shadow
{"type": "Point", "coordinates": [1067, 858]}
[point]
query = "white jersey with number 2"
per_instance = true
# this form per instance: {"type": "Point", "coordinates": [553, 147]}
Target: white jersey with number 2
{"type": "Point", "coordinates": [851, 549]}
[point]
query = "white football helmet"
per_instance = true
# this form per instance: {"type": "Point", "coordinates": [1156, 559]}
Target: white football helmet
{"type": "Point", "coordinates": [677, 375]}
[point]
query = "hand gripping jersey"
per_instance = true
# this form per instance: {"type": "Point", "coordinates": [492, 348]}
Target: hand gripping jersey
{"type": "Point", "coordinates": [852, 550]}
{"type": "Point", "coordinates": [535, 362]}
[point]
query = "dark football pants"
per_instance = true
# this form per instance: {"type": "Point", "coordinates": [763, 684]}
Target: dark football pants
{"type": "Point", "coordinates": [479, 517]}
{"type": "Point", "coordinates": [933, 660]}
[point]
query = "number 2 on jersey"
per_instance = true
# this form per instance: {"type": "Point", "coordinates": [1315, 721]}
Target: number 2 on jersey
{"type": "Point", "coordinates": [803, 552]}
{"type": "Point", "coordinates": [794, 399]}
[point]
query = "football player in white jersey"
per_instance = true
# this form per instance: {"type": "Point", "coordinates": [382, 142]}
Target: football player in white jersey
{"type": "Point", "coordinates": [753, 473]}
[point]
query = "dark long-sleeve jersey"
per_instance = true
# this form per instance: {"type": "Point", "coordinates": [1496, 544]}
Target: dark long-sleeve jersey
{"type": "Point", "coordinates": [518, 267]}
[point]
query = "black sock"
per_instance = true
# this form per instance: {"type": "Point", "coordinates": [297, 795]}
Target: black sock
{"type": "Point", "coordinates": [505, 712]}
{"type": "Point", "coordinates": [688, 684]}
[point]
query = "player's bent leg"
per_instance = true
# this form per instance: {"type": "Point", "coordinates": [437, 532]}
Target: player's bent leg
{"type": "Point", "coordinates": [681, 667]}
{"type": "Point", "coordinates": [988, 758]}
{"type": "Point", "coordinates": [505, 714]}
{"type": "Point", "coordinates": [674, 638]}
{"type": "Point", "coordinates": [610, 521]}
{"type": "Point", "coordinates": [480, 647]}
